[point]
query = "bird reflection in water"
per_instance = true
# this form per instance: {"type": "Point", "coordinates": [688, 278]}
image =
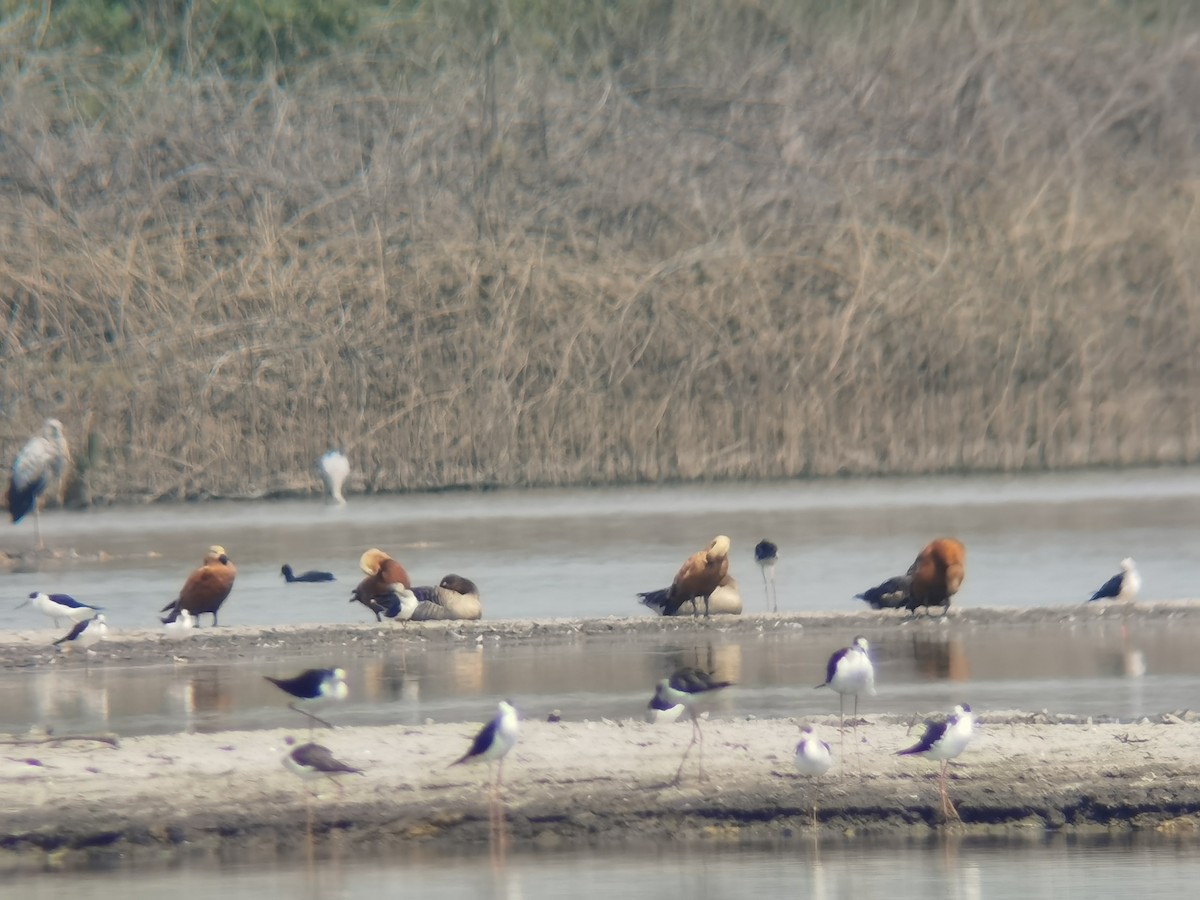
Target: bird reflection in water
{"type": "Point", "coordinates": [389, 680]}
{"type": "Point", "coordinates": [62, 698]}
{"type": "Point", "coordinates": [202, 698]}
{"type": "Point", "coordinates": [940, 657]}
{"type": "Point", "coordinates": [722, 661]}
{"type": "Point", "coordinates": [1126, 662]}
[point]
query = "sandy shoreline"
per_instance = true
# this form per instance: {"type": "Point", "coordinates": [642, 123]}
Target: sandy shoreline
{"type": "Point", "coordinates": [156, 799]}
{"type": "Point", "coordinates": [33, 648]}
{"type": "Point", "coordinates": [226, 796]}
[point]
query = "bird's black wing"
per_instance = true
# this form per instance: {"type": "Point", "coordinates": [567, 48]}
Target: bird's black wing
{"type": "Point", "coordinates": [892, 594]}
{"type": "Point", "coordinates": [765, 550]}
{"type": "Point", "coordinates": [1110, 588]}
{"type": "Point", "coordinates": [831, 668]}
{"type": "Point", "coordinates": [306, 684]}
{"type": "Point", "coordinates": [695, 681]}
{"type": "Point", "coordinates": [655, 600]}
{"type": "Point", "coordinates": [75, 632]}
{"type": "Point", "coordinates": [482, 741]}
{"type": "Point", "coordinates": [425, 593]}
{"type": "Point", "coordinates": [934, 731]}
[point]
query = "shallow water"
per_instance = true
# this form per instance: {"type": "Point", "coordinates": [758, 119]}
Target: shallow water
{"type": "Point", "coordinates": [1032, 540]}
{"type": "Point", "coordinates": [967, 869]}
{"type": "Point", "coordinates": [1059, 668]}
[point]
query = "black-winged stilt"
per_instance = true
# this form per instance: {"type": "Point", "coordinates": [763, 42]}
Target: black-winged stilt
{"type": "Point", "coordinates": [313, 688]}
{"type": "Point", "coordinates": [1122, 586]}
{"type": "Point", "coordinates": [693, 689]}
{"type": "Point", "coordinates": [766, 554]}
{"type": "Point", "coordinates": [944, 740]}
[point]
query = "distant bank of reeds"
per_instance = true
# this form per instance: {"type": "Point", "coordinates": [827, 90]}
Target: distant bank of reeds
{"type": "Point", "coordinates": [622, 242]}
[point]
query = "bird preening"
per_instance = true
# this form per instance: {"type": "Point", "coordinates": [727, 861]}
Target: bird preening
{"type": "Point", "coordinates": [934, 577]}
{"type": "Point", "coordinates": [700, 575]}
{"type": "Point", "coordinates": [725, 600]}
{"type": "Point", "coordinates": [42, 460]}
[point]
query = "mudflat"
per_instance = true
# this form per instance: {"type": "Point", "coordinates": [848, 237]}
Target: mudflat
{"type": "Point", "coordinates": [226, 795]}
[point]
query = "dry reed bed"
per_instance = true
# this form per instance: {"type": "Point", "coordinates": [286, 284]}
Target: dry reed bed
{"type": "Point", "coordinates": [724, 240]}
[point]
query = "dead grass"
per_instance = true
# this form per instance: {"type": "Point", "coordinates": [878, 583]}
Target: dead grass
{"type": "Point", "coordinates": [726, 240]}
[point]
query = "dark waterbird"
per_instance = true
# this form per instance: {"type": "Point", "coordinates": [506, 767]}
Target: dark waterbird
{"type": "Point", "coordinates": [312, 575]}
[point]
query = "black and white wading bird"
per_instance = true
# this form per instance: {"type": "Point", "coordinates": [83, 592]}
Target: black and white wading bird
{"type": "Point", "coordinates": [694, 690]}
{"type": "Point", "coordinates": [944, 740]}
{"type": "Point", "coordinates": [813, 758]}
{"type": "Point", "coordinates": [42, 460]}
{"type": "Point", "coordinates": [60, 606]}
{"type": "Point", "coordinates": [493, 742]}
{"type": "Point", "coordinates": [86, 633]}
{"type": "Point", "coordinates": [313, 688]}
{"type": "Point", "coordinates": [766, 555]}
{"type": "Point", "coordinates": [850, 672]}
{"type": "Point", "coordinates": [311, 761]}
{"type": "Point", "coordinates": [1122, 586]}
{"type": "Point", "coordinates": [309, 577]}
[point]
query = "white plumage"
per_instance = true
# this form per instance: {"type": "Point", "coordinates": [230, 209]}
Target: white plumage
{"type": "Point", "coordinates": [334, 469]}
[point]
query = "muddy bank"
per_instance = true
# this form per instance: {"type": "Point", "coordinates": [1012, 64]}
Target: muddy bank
{"type": "Point", "coordinates": [20, 649]}
{"type": "Point", "coordinates": [226, 796]}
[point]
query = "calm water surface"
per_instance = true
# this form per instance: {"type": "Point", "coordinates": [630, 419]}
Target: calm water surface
{"type": "Point", "coordinates": [946, 868]}
{"type": "Point", "coordinates": [1032, 540]}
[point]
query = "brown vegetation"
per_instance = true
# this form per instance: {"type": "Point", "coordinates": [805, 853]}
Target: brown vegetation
{"type": "Point", "coordinates": [716, 239]}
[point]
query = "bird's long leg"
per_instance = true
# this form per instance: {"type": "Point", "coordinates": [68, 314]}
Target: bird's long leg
{"type": "Point", "coordinates": [947, 806]}
{"type": "Point", "coordinates": [771, 589]}
{"type": "Point", "coordinates": [842, 727]}
{"type": "Point", "coordinates": [305, 712]}
{"type": "Point", "coordinates": [706, 611]}
{"type": "Point", "coordinates": [857, 748]}
{"type": "Point", "coordinates": [700, 736]}
{"type": "Point", "coordinates": [679, 771]}
{"type": "Point", "coordinates": [37, 527]}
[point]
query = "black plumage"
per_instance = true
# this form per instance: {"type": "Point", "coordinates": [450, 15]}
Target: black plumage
{"type": "Point", "coordinates": [765, 552]}
{"type": "Point", "coordinates": [892, 594]}
{"type": "Point", "coordinates": [311, 576]}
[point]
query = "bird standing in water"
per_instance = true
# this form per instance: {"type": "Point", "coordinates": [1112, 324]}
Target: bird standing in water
{"type": "Point", "coordinates": [309, 577]}
{"type": "Point", "coordinates": [766, 554]}
{"type": "Point", "coordinates": [850, 671]}
{"type": "Point", "coordinates": [313, 688]}
{"type": "Point", "coordinates": [43, 459]}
